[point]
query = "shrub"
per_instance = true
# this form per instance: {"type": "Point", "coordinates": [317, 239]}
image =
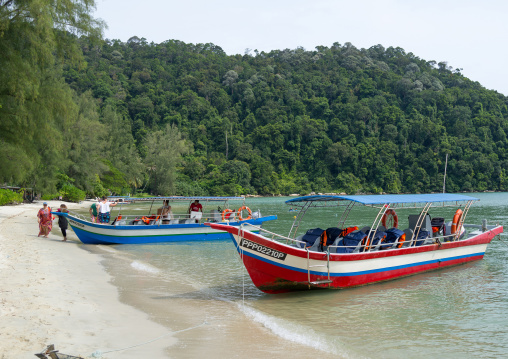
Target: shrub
{"type": "Point", "coordinates": [7, 197]}
{"type": "Point", "coordinates": [50, 196]}
{"type": "Point", "coordinates": [71, 193]}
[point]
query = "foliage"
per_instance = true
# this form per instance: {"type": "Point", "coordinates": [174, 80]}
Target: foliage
{"type": "Point", "coordinates": [8, 197]}
{"type": "Point", "coordinates": [50, 196]}
{"type": "Point", "coordinates": [71, 194]}
{"type": "Point", "coordinates": [177, 118]}
{"type": "Point", "coordinates": [35, 103]}
{"type": "Point", "coordinates": [336, 119]}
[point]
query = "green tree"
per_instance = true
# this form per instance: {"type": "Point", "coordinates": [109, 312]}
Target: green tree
{"type": "Point", "coordinates": [164, 150]}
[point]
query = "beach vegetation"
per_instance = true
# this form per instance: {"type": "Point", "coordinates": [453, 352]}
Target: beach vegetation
{"type": "Point", "coordinates": [10, 197]}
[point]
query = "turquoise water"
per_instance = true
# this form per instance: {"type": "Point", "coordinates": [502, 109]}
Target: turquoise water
{"type": "Point", "coordinates": [457, 312]}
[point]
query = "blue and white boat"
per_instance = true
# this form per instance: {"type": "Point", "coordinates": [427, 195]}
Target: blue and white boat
{"type": "Point", "coordinates": [154, 228]}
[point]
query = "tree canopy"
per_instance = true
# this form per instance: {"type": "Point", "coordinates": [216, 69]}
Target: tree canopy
{"type": "Point", "coordinates": [177, 118]}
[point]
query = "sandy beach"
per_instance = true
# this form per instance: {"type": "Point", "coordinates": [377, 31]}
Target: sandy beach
{"type": "Point", "coordinates": [61, 293]}
{"type": "Point", "coordinates": [54, 292]}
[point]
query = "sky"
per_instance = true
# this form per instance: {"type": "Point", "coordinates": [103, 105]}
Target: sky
{"type": "Point", "coordinates": [467, 34]}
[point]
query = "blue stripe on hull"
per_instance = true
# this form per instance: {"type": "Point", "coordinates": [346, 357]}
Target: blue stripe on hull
{"type": "Point", "coordinates": [352, 274]}
{"type": "Point", "coordinates": [93, 238]}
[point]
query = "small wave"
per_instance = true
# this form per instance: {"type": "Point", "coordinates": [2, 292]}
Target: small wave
{"type": "Point", "coordinates": [107, 248]}
{"type": "Point", "coordinates": [144, 267]}
{"type": "Point", "coordinates": [294, 332]}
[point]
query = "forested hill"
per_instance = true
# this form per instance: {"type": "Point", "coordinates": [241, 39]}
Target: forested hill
{"type": "Point", "coordinates": [293, 121]}
{"type": "Point", "coordinates": [187, 119]}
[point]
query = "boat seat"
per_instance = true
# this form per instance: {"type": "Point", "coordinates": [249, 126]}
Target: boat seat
{"type": "Point", "coordinates": [315, 246]}
{"type": "Point", "coordinates": [392, 238]}
{"type": "Point", "coordinates": [352, 243]}
{"type": "Point", "coordinates": [297, 244]}
{"type": "Point", "coordinates": [310, 237]}
{"type": "Point", "coordinates": [377, 240]}
{"type": "Point", "coordinates": [409, 237]}
{"type": "Point", "coordinates": [365, 229]}
{"type": "Point", "coordinates": [426, 225]}
{"type": "Point", "coordinates": [424, 237]}
{"type": "Point", "coordinates": [337, 242]}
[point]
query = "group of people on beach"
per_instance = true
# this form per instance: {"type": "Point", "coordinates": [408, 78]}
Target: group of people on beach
{"type": "Point", "coordinates": [45, 218]}
{"type": "Point", "coordinates": [100, 213]}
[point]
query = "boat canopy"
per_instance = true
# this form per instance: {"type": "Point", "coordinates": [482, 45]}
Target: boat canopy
{"type": "Point", "coordinates": [382, 199]}
{"type": "Point", "coordinates": [180, 198]}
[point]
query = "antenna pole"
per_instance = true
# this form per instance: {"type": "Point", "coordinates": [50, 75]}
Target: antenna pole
{"type": "Point", "coordinates": [444, 178]}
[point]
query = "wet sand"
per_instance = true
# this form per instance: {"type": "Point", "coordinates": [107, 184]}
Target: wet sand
{"type": "Point", "coordinates": [90, 302]}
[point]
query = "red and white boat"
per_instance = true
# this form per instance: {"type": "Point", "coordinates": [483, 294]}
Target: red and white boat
{"type": "Point", "coordinates": [345, 256]}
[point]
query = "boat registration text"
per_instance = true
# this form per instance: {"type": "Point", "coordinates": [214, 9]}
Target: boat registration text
{"type": "Point", "coordinates": [262, 249]}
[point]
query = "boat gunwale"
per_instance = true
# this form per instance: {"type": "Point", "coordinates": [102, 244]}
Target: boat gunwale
{"type": "Point", "coordinates": [154, 226]}
{"type": "Point", "coordinates": [480, 238]}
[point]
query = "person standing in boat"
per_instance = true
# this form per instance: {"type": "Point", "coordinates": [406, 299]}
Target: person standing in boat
{"type": "Point", "coordinates": [166, 213]}
{"type": "Point", "coordinates": [93, 212]}
{"type": "Point", "coordinates": [196, 211]}
{"type": "Point", "coordinates": [104, 209]}
{"type": "Point", "coordinates": [45, 219]}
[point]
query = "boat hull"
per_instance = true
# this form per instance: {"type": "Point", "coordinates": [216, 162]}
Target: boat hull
{"type": "Point", "coordinates": [93, 233]}
{"type": "Point", "coordinates": [275, 267]}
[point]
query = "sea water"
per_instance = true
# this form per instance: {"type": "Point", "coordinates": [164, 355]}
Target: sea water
{"type": "Point", "coordinates": [458, 312]}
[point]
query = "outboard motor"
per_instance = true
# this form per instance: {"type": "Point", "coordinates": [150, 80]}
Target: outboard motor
{"type": "Point", "coordinates": [257, 214]}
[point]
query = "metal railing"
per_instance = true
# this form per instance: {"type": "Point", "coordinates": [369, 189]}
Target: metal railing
{"type": "Point", "coordinates": [180, 218]}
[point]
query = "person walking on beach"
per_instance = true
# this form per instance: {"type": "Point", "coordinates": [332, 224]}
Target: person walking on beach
{"type": "Point", "coordinates": [93, 212]}
{"type": "Point", "coordinates": [104, 209]}
{"type": "Point", "coordinates": [62, 221]}
{"type": "Point", "coordinates": [45, 219]}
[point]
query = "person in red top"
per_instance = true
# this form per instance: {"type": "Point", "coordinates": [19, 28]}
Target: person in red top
{"type": "Point", "coordinates": [196, 210]}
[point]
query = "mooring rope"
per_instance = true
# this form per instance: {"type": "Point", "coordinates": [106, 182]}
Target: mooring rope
{"type": "Point", "coordinates": [98, 353]}
{"type": "Point", "coordinates": [499, 237]}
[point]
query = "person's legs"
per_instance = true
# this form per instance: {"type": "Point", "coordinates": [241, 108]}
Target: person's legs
{"type": "Point", "coordinates": [64, 232]}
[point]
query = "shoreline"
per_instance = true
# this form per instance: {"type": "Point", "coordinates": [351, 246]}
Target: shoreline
{"type": "Point", "coordinates": [53, 292]}
{"type": "Point", "coordinates": [84, 300]}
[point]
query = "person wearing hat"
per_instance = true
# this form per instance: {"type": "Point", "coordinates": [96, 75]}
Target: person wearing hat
{"type": "Point", "coordinates": [45, 219]}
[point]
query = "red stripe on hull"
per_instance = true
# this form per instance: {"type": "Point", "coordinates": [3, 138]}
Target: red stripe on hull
{"type": "Point", "coordinates": [271, 278]}
{"type": "Point", "coordinates": [290, 280]}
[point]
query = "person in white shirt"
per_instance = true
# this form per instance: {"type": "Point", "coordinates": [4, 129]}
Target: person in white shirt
{"type": "Point", "coordinates": [104, 209]}
{"type": "Point", "coordinates": [166, 213]}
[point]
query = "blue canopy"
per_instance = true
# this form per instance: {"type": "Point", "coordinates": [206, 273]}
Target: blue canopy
{"type": "Point", "coordinates": [387, 198]}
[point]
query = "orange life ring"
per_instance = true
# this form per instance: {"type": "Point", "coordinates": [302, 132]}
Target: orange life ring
{"type": "Point", "coordinates": [456, 221]}
{"type": "Point", "coordinates": [226, 213]}
{"type": "Point", "coordinates": [239, 213]}
{"type": "Point", "coordinates": [390, 212]}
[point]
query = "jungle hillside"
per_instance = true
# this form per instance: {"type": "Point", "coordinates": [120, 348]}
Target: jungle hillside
{"type": "Point", "coordinates": [91, 116]}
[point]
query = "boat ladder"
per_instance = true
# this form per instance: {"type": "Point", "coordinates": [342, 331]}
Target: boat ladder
{"type": "Point", "coordinates": [327, 265]}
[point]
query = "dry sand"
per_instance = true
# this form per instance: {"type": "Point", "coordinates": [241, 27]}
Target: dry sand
{"type": "Point", "coordinates": [53, 292]}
